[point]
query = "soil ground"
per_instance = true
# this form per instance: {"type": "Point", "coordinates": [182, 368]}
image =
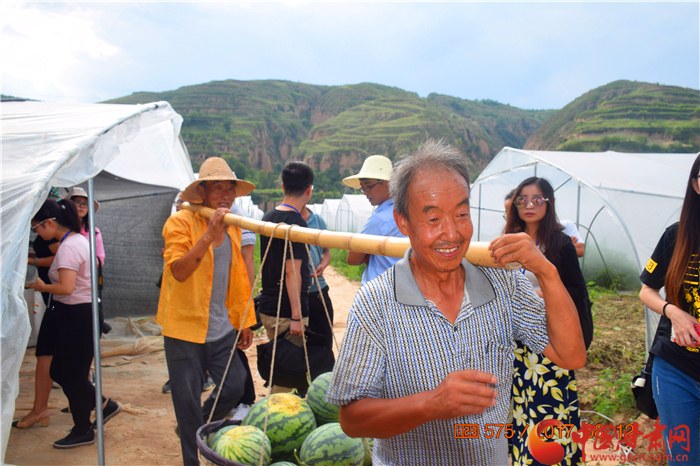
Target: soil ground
{"type": "Point", "coordinates": [143, 434]}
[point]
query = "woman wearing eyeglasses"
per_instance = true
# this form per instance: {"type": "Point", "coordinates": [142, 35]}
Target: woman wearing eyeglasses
{"type": "Point", "coordinates": [676, 348]}
{"type": "Point", "coordinates": [71, 305]}
{"type": "Point", "coordinates": [541, 389]}
{"type": "Point", "coordinates": [79, 196]}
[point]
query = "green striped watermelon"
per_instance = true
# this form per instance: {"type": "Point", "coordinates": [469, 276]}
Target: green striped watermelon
{"type": "Point", "coordinates": [368, 443]}
{"type": "Point", "coordinates": [329, 446]}
{"type": "Point", "coordinates": [316, 398]}
{"type": "Point", "coordinates": [289, 423]}
{"type": "Point", "coordinates": [217, 435]}
{"type": "Point", "coordinates": [282, 463]}
{"type": "Point", "coordinates": [244, 444]}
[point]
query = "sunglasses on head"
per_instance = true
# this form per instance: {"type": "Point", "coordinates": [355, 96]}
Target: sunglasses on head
{"type": "Point", "coordinates": [537, 201]}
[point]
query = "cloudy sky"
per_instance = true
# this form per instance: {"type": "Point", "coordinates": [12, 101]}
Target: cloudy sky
{"type": "Point", "coordinates": [527, 54]}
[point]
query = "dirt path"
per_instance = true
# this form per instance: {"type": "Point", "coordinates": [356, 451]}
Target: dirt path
{"type": "Point", "coordinates": [144, 433]}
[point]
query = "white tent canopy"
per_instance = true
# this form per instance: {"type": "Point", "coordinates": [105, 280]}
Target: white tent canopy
{"type": "Point", "coordinates": [328, 211]}
{"type": "Point", "coordinates": [353, 213]}
{"type": "Point", "coordinates": [620, 202]}
{"type": "Point", "coordinates": [62, 145]}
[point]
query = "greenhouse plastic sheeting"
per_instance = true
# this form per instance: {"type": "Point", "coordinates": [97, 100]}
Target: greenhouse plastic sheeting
{"type": "Point", "coordinates": [621, 203]}
{"type": "Point", "coordinates": [353, 213]}
{"type": "Point", "coordinates": [253, 211]}
{"type": "Point", "coordinates": [328, 211]}
{"type": "Point", "coordinates": [51, 144]}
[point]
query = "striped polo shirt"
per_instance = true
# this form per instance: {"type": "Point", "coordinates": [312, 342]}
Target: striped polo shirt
{"type": "Point", "coordinates": [398, 343]}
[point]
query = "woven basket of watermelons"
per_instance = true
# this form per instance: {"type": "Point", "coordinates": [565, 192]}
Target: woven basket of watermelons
{"type": "Point", "coordinates": [227, 443]}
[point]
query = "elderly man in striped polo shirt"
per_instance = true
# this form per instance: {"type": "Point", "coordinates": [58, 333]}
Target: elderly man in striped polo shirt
{"type": "Point", "coordinates": [430, 343]}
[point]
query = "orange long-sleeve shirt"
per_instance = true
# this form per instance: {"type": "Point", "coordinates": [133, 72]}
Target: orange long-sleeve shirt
{"type": "Point", "coordinates": [183, 309]}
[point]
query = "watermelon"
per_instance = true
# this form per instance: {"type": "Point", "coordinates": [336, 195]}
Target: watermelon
{"type": "Point", "coordinates": [283, 463]}
{"type": "Point", "coordinates": [329, 446]}
{"type": "Point", "coordinates": [316, 398]}
{"type": "Point", "coordinates": [217, 435]}
{"type": "Point", "coordinates": [289, 423]}
{"type": "Point", "coordinates": [244, 444]}
{"type": "Point", "coordinates": [368, 443]}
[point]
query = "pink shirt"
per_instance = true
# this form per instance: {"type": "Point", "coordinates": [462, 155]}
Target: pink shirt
{"type": "Point", "coordinates": [99, 247]}
{"type": "Point", "coordinates": [73, 254]}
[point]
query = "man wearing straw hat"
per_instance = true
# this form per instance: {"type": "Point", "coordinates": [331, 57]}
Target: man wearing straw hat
{"type": "Point", "coordinates": [426, 363]}
{"type": "Point", "coordinates": [203, 298]}
{"type": "Point", "coordinates": [373, 181]}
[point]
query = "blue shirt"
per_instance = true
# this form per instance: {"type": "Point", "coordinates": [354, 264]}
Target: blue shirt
{"type": "Point", "coordinates": [398, 343]}
{"type": "Point", "coordinates": [381, 223]}
{"type": "Point", "coordinates": [316, 222]}
{"type": "Point", "coordinates": [247, 236]}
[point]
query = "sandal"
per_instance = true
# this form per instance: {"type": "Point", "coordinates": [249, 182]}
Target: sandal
{"type": "Point", "coordinates": [26, 423]}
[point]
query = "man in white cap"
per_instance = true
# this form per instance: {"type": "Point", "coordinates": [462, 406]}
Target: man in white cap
{"type": "Point", "coordinates": [203, 298]}
{"type": "Point", "coordinates": [373, 181]}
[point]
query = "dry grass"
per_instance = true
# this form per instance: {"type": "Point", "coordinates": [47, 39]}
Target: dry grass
{"type": "Point", "coordinates": [617, 354]}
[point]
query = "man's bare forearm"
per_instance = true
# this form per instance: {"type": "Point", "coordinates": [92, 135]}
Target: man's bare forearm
{"type": "Point", "coordinates": [567, 348]}
{"type": "Point", "coordinates": [461, 393]}
{"type": "Point", "coordinates": [383, 418]}
{"type": "Point", "coordinates": [292, 277]}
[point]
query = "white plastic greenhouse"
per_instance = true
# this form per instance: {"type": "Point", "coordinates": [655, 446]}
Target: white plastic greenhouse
{"type": "Point", "coordinates": [246, 203]}
{"type": "Point", "coordinates": [620, 202]}
{"type": "Point", "coordinates": [353, 212]}
{"type": "Point", "coordinates": [139, 163]}
{"type": "Point", "coordinates": [328, 211]}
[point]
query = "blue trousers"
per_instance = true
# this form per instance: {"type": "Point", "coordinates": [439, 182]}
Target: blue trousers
{"type": "Point", "coordinates": [677, 398]}
{"type": "Point", "coordinates": [187, 365]}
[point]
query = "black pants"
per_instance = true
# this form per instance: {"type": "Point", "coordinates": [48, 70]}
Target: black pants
{"type": "Point", "coordinates": [249, 394]}
{"type": "Point", "coordinates": [70, 366]}
{"type": "Point", "coordinates": [187, 366]}
{"type": "Point", "coordinates": [318, 322]}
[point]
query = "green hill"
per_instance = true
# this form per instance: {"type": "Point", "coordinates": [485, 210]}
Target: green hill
{"type": "Point", "coordinates": [626, 116]}
{"type": "Point", "coordinates": [258, 125]}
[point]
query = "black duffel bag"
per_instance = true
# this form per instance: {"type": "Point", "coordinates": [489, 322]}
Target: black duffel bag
{"type": "Point", "coordinates": [290, 362]}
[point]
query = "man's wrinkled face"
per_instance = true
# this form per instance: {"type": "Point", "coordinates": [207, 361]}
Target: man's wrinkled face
{"type": "Point", "coordinates": [218, 194]}
{"type": "Point", "coordinates": [439, 224]}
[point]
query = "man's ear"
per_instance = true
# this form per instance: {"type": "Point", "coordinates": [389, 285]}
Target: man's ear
{"type": "Point", "coordinates": [201, 191]}
{"type": "Point", "coordinates": [401, 222]}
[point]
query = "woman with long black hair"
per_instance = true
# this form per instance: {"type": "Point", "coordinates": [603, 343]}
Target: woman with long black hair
{"type": "Point", "coordinates": [72, 307]}
{"type": "Point", "coordinates": [676, 348]}
{"type": "Point", "coordinates": [541, 389]}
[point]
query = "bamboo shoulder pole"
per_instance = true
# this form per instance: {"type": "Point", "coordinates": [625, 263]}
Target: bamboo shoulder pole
{"type": "Point", "coordinates": [477, 254]}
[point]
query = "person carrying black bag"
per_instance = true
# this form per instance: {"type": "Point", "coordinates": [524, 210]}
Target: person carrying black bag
{"type": "Point", "coordinates": [675, 377]}
{"type": "Point", "coordinates": [297, 183]}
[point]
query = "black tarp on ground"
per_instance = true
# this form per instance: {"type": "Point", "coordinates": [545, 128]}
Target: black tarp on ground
{"type": "Point", "coordinates": [131, 218]}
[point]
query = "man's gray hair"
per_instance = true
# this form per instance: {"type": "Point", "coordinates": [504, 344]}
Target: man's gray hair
{"type": "Point", "coordinates": [430, 155]}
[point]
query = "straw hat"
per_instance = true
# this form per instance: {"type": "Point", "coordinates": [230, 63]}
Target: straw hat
{"type": "Point", "coordinates": [215, 169]}
{"type": "Point", "coordinates": [78, 192]}
{"type": "Point", "coordinates": [375, 167]}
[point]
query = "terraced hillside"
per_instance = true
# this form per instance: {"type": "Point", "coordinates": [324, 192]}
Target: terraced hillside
{"type": "Point", "coordinates": [626, 116]}
{"type": "Point", "coordinates": [258, 125]}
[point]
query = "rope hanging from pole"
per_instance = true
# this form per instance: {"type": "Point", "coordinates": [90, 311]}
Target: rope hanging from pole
{"type": "Point", "coordinates": [325, 308]}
